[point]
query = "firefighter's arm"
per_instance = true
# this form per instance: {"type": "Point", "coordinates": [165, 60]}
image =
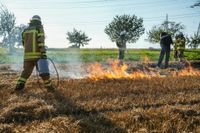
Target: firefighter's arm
{"type": "Point", "coordinates": [41, 37]}
{"type": "Point", "coordinates": [183, 40]}
{"type": "Point", "coordinates": [41, 40]}
{"type": "Point", "coordinates": [171, 41]}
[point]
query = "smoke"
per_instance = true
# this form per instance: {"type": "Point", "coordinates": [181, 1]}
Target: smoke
{"type": "Point", "coordinates": [68, 65]}
{"type": "Point", "coordinates": [16, 60]}
{"type": "Point", "coordinates": [72, 66]}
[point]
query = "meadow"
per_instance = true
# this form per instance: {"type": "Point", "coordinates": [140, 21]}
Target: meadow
{"type": "Point", "coordinates": [94, 55]}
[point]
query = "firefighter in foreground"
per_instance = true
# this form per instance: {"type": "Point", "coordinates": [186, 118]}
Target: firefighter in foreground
{"type": "Point", "coordinates": [33, 38]}
{"type": "Point", "coordinates": [179, 47]}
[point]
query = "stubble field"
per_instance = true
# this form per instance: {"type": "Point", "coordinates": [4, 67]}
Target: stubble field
{"type": "Point", "coordinates": [155, 104]}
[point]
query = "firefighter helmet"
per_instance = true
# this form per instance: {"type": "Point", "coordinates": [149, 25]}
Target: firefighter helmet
{"type": "Point", "coordinates": [36, 17]}
{"type": "Point", "coordinates": [180, 34]}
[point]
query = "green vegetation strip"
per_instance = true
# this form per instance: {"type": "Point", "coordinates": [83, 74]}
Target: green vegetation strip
{"type": "Point", "coordinates": [92, 55]}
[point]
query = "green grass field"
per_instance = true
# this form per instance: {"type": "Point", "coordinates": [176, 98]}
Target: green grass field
{"type": "Point", "coordinates": [93, 55]}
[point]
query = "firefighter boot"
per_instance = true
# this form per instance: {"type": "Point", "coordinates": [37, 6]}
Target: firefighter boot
{"type": "Point", "coordinates": [50, 88]}
{"type": "Point", "coordinates": [19, 87]}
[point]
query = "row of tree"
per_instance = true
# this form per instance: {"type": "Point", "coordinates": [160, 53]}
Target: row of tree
{"type": "Point", "coordinates": [173, 29]}
{"type": "Point", "coordinates": [132, 27]}
{"type": "Point", "coordinates": [122, 30]}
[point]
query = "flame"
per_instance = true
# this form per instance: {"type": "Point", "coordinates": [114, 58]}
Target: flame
{"type": "Point", "coordinates": [188, 71]}
{"type": "Point", "coordinates": [115, 70]}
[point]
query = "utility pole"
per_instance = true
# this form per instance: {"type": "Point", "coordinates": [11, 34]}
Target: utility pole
{"type": "Point", "coordinates": [198, 30]}
{"type": "Point", "coordinates": [166, 23]}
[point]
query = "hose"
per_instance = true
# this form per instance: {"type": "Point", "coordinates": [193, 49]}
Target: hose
{"type": "Point", "coordinates": [57, 74]}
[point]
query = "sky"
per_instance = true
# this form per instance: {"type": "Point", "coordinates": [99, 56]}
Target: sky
{"type": "Point", "coordinates": [92, 16]}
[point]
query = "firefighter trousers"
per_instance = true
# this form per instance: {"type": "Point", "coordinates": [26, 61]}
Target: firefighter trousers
{"type": "Point", "coordinates": [27, 71]}
{"type": "Point", "coordinates": [166, 53]}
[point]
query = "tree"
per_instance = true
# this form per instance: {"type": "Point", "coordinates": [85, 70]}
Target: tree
{"type": "Point", "coordinates": [197, 4]}
{"type": "Point", "coordinates": [7, 26]}
{"type": "Point", "coordinates": [17, 35]}
{"type": "Point", "coordinates": [173, 29]}
{"type": "Point", "coordinates": [194, 41]}
{"type": "Point", "coordinates": [9, 32]}
{"type": "Point", "coordinates": [77, 38]}
{"type": "Point", "coordinates": [124, 29]}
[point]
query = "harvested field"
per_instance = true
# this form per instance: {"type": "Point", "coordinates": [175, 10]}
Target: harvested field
{"type": "Point", "coordinates": [147, 104]}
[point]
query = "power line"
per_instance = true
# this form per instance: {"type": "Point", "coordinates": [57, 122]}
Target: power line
{"type": "Point", "coordinates": [100, 6]}
{"type": "Point", "coordinates": [80, 2]}
{"type": "Point", "coordinates": [198, 30]}
{"type": "Point", "coordinates": [148, 19]}
{"type": "Point", "coordinates": [122, 5]}
{"type": "Point", "coordinates": [101, 22]}
{"type": "Point", "coordinates": [159, 18]}
{"type": "Point", "coordinates": [94, 1]}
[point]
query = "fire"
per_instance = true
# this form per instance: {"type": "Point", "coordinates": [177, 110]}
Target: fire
{"type": "Point", "coordinates": [115, 70]}
{"type": "Point", "coordinates": [188, 71]}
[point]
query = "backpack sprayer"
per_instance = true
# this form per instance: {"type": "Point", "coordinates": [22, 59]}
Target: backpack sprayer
{"type": "Point", "coordinates": [43, 68]}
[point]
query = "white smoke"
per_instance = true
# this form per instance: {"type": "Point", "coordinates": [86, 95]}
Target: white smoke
{"type": "Point", "coordinates": [73, 68]}
{"type": "Point", "coordinates": [16, 61]}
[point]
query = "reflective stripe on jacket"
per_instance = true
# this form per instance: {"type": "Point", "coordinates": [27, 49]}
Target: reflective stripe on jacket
{"type": "Point", "coordinates": [180, 43]}
{"type": "Point", "coordinates": [33, 41]}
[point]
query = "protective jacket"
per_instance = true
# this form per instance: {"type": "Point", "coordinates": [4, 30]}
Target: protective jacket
{"type": "Point", "coordinates": [33, 41]}
{"type": "Point", "coordinates": [165, 42]}
{"type": "Point", "coordinates": [180, 43]}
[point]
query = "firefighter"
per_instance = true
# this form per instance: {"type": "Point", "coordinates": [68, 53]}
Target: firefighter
{"type": "Point", "coordinates": [165, 42]}
{"type": "Point", "coordinates": [33, 39]}
{"type": "Point", "coordinates": [180, 46]}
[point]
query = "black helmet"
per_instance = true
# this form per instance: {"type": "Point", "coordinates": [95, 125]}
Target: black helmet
{"type": "Point", "coordinates": [163, 34]}
{"type": "Point", "coordinates": [36, 17]}
{"type": "Point", "coordinates": [180, 34]}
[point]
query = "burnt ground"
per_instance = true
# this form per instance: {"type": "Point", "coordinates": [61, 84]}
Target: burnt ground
{"type": "Point", "coordinates": [158, 104]}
